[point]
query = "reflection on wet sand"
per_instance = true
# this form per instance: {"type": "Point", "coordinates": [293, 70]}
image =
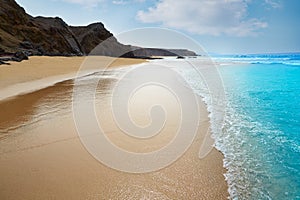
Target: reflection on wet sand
{"type": "Point", "coordinates": [29, 108]}
{"type": "Point", "coordinates": [41, 156]}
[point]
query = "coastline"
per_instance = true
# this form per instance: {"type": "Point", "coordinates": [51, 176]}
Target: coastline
{"type": "Point", "coordinates": [44, 71]}
{"type": "Point", "coordinates": [46, 159]}
{"type": "Point", "coordinates": [252, 94]}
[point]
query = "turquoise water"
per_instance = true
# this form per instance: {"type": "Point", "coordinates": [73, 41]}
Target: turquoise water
{"type": "Point", "coordinates": [261, 134]}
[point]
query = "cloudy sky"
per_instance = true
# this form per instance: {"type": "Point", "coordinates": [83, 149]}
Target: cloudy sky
{"type": "Point", "coordinates": [220, 26]}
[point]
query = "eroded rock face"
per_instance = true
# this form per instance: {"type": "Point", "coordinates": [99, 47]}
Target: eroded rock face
{"type": "Point", "coordinates": [19, 56]}
{"type": "Point", "coordinates": [27, 35]}
{"type": "Point", "coordinates": [90, 36]}
{"type": "Point", "coordinates": [20, 32]}
{"type": "Point", "coordinates": [94, 34]}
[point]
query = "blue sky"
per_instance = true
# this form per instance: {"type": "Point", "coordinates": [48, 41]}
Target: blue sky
{"type": "Point", "coordinates": [220, 26]}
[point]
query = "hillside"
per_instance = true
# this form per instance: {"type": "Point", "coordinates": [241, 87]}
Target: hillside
{"type": "Point", "coordinates": [49, 36]}
{"type": "Point", "coordinates": [22, 35]}
{"type": "Point", "coordinates": [148, 52]}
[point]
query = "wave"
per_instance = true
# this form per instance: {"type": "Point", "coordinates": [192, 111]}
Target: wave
{"type": "Point", "coordinates": [258, 154]}
{"type": "Point", "coordinates": [269, 59]}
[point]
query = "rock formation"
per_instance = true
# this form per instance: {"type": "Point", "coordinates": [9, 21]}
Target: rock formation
{"type": "Point", "coordinates": [49, 36]}
{"type": "Point", "coordinates": [22, 35]}
{"type": "Point", "coordinates": [148, 52]}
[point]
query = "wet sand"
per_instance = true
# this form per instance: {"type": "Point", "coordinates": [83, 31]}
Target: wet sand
{"type": "Point", "coordinates": [41, 156]}
{"type": "Point", "coordinates": [42, 71]}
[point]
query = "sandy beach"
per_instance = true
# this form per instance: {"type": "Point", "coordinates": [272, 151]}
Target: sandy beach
{"type": "Point", "coordinates": [42, 71]}
{"type": "Point", "coordinates": [42, 157]}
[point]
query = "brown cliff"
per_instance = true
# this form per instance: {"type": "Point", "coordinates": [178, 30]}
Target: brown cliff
{"type": "Point", "coordinates": [49, 36]}
{"type": "Point", "coordinates": [22, 35]}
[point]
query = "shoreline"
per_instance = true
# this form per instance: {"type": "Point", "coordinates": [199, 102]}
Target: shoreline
{"type": "Point", "coordinates": [39, 150]}
{"type": "Point", "coordinates": [65, 69]}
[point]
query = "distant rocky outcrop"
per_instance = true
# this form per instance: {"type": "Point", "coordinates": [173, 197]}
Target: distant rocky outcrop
{"type": "Point", "coordinates": [150, 52]}
{"type": "Point", "coordinates": [22, 35]}
{"type": "Point", "coordinates": [92, 35]}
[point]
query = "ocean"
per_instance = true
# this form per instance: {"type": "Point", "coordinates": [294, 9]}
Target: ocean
{"type": "Point", "coordinates": [260, 135]}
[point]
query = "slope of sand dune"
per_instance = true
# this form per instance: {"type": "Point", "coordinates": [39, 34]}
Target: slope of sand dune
{"type": "Point", "coordinates": [41, 156]}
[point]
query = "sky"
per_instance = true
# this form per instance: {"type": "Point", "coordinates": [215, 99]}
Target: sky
{"type": "Point", "coordinates": [219, 26]}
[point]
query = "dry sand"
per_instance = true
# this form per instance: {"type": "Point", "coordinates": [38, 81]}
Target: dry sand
{"type": "Point", "coordinates": [41, 156]}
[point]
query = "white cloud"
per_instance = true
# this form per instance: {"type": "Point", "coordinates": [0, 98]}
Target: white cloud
{"type": "Point", "coordinates": [124, 2]}
{"type": "Point", "coordinates": [273, 4]}
{"type": "Point", "coordinates": [86, 3]}
{"type": "Point", "coordinates": [211, 17]}
{"type": "Point", "coordinates": [120, 2]}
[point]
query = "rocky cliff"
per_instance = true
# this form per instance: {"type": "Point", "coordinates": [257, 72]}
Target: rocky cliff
{"type": "Point", "coordinates": [22, 35]}
{"type": "Point", "coordinates": [50, 36]}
